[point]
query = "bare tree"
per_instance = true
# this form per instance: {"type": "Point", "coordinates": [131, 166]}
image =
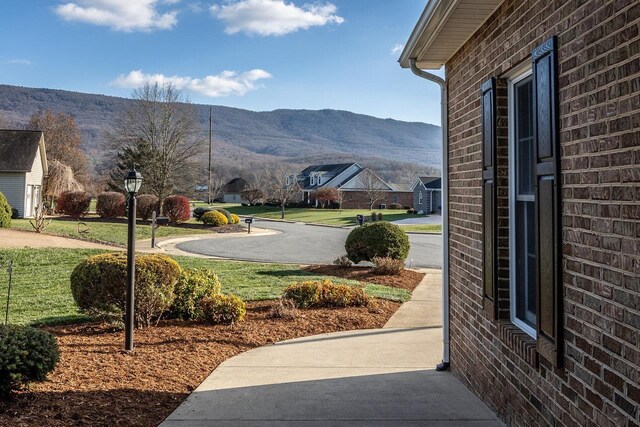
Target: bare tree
{"type": "Point", "coordinates": [162, 124]}
{"type": "Point", "coordinates": [5, 123]}
{"type": "Point", "coordinates": [282, 185]}
{"type": "Point", "coordinates": [373, 187]}
{"type": "Point", "coordinates": [252, 195]}
{"type": "Point", "coordinates": [59, 179]}
{"type": "Point", "coordinates": [340, 199]}
{"type": "Point", "coordinates": [217, 185]}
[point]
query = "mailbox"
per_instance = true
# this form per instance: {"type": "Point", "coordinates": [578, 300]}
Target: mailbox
{"type": "Point", "coordinates": [162, 220]}
{"type": "Point", "coordinates": [248, 220]}
{"type": "Point", "coordinates": [360, 219]}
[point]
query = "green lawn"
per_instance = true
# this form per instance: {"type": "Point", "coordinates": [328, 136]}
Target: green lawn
{"type": "Point", "coordinates": [41, 292]}
{"type": "Point", "coordinates": [107, 232]}
{"type": "Point", "coordinates": [423, 228]}
{"type": "Point", "coordinates": [345, 217]}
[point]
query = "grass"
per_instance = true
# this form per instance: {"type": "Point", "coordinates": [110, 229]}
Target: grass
{"type": "Point", "coordinates": [41, 293]}
{"type": "Point", "coordinates": [107, 232]}
{"type": "Point", "coordinates": [343, 217]}
{"type": "Point", "coordinates": [423, 228]}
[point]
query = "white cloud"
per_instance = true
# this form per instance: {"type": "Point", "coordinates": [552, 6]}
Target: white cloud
{"type": "Point", "coordinates": [273, 17]}
{"type": "Point", "coordinates": [396, 49]}
{"type": "Point", "coordinates": [223, 84]}
{"type": "Point", "coordinates": [18, 61]}
{"type": "Point", "coordinates": [120, 15]}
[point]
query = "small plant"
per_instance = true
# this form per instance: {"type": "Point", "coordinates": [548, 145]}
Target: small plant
{"type": "Point", "coordinates": [395, 206]}
{"type": "Point", "coordinates": [304, 294]}
{"type": "Point", "coordinates": [374, 216]}
{"type": "Point", "coordinates": [146, 204]}
{"type": "Point", "coordinates": [221, 308]}
{"type": "Point", "coordinates": [214, 218]}
{"type": "Point", "coordinates": [387, 265]}
{"type": "Point", "coordinates": [411, 211]}
{"type": "Point", "coordinates": [73, 203]}
{"type": "Point", "coordinates": [342, 261]}
{"type": "Point", "coordinates": [192, 286]}
{"type": "Point", "coordinates": [235, 219]}
{"type": "Point", "coordinates": [227, 214]}
{"type": "Point", "coordinates": [198, 212]}
{"type": "Point", "coordinates": [39, 222]}
{"type": "Point", "coordinates": [110, 204]}
{"type": "Point", "coordinates": [284, 308]}
{"type": "Point", "coordinates": [379, 216]}
{"type": "Point", "coordinates": [5, 212]}
{"type": "Point", "coordinates": [26, 354]}
{"type": "Point", "coordinates": [325, 294]}
{"type": "Point", "coordinates": [380, 239]}
{"type": "Point", "coordinates": [177, 208]}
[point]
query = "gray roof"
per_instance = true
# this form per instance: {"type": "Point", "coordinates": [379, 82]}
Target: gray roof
{"type": "Point", "coordinates": [236, 185]}
{"type": "Point", "coordinates": [401, 187]}
{"type": "Point", "coordinates": [18, 149]}
{"type": "Point", "coordinates": [431, 181]}
{"type": "Point", "coordinates": [332, 169]}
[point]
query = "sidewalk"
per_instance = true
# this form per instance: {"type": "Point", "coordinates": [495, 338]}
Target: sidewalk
{"type": "Point", "coordinates": [18, 239]}
{"type": "Point", "coordinates": [367, 377]}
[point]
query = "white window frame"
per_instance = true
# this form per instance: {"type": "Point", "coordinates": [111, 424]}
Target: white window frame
{"type": "Point", "coordinates": [519, 74]}
{"type": "Point", "coordinates": [420, 198]}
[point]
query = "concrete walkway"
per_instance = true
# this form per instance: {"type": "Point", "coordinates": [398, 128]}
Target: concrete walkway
{"type": "Point", "coordinates": [17, 239]}
{"type": "Point", "coordinates": [367, 377]}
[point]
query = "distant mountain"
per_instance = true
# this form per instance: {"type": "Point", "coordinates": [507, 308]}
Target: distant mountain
{"type": "Point", "coordinates": [298, 136]}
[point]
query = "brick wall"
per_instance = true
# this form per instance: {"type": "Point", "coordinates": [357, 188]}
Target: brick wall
{"type": "Point", "coordinates": [359, 199]}
{"type": "Point", "coordinates": [599, 81]}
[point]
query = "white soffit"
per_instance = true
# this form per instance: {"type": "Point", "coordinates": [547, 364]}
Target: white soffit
{"type": "Point", "coordinates": [444, 26]}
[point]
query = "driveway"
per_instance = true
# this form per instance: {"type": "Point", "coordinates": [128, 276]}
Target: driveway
{"type": "Point", "coordinates": [431, 219]}
{"type": "Point", "coordinates": [299, 243]}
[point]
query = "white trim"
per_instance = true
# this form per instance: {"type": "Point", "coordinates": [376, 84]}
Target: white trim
{"type": "Point", "coordinates": [519, 73]}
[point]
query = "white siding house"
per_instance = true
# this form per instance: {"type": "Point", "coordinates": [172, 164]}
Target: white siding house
{"type": "Point", "coordinates": [23, 166]}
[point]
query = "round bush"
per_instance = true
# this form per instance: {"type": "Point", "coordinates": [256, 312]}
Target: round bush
{"type": "Point", "coordinates": [395, 206]}
{"type": "Point", "coordinates": [198, 212]}
{"type": "Point", "coordinates": [26, 354]}
{"type": "Point", "coordinates": [177, 208]}
{"type": "Point", "coordinates": [99, 283]}
{"type": "Point", "coordinates": [193, 285]}
{"type": "Point", "coordinates": [5, 212]}
{"type": "Point", "coordinates": [110, 204]}
{"type": "Point", "coordinates": [379, 239]}
{"type": "Point", "coordinates": [214, 218]}
{"type": "Point", "coordinates": [73, 203]}
{"type": "Point", "coordinates": [235, 219]}
{"type": "Point", "coordinates": [145, 205]}
{"type": "Point", "coordinates": [226, 309]}
{"type": "Point", "coordinates": [227, 214]}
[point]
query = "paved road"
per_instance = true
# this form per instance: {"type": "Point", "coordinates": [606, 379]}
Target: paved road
{"type": "Point", "coordinates": [305, 244]}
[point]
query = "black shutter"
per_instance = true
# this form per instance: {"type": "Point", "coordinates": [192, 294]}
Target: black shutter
{"type": "Point", "coordinates": [548, 219]}
{"type": "Point", "coordinates": [489, 199]}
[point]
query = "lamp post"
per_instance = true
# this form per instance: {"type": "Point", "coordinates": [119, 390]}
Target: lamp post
{"type": "Point", "coordinates": [132, 183]}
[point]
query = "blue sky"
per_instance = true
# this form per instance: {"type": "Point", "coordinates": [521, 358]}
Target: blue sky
{"type": "Point", "coordinates": [253, 54]}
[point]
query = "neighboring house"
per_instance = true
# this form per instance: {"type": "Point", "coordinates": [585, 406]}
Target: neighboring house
{"type": "Point", "coordinates": [427, 194]}
{"type": "Point", "coordinates": [23, 166]}
{"type": "Point", "coordinates": [358, 185]}
{"type": "Point", "coordinates": [231, 193]}
{"type": "Point", "coordinates": [541, 214]}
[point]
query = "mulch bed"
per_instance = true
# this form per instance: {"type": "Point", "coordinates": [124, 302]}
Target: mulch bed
{"type": "Point", "coordinates": [407, 279]}
{"type": "Point", "coordinates": [98, 384]}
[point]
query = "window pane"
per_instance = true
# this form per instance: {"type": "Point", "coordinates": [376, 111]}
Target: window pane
{"type": "Point", "coordinates": [525, 263]}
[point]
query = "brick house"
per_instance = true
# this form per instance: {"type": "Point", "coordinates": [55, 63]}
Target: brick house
{"type": "Point", "coordinates": [541, 203]}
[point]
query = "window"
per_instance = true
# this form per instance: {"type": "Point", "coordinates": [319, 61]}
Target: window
{"type": "Point", "coordinates": [319, 180]}
{"type": "Point", "coordinates": [522, 204]}
{"type": "Point", "coordinates": [396, 199]}
{"type": "Point", "coordinates": [420, 198]}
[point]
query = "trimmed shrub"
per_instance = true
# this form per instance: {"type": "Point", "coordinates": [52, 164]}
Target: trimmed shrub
{"type": "Point", "coordinates": [342, 261]}
{"type": "Point", "coordinates": [325, 294]}
{"type": "Point", "coordinates": [227, 214]}
{"type": "Point", "coordinates": [14, 213]}
{"type": "Point", "coordinates": [235, 219]}
{"type": "Point", "coordinates": [145, 205]}
{"type": "Point", "coordinates": [110, 204]}
{"type": "Point", "coordinates": [386, 265]}
{"type": "Point", "coordinates": [26, 354]}
{"type": "Point", "coordinates": [380, 239]}
{"type": "Point", "coordinates": [98, 285]}
{"type": "Point", "coordinates": [177, 208]}
{"type": "Point", "coordinates": [411, 211]}
{"type": "Point", "coordinates": [73, 203]}
{"type": "Point", "coordinates": [214, 218]}
{"type": "Point", "coordinates": [395, 206]}
{"type": "Point", "coordinates": [5, 212]}
{"type": "Point", "coordinates": [379, 216]}
{"type": "Point", "coordinates": [192, 286]}
{"type": "Point", "coordinates": [221, 308]}
{"type": "Point", "coordinates": [198, 212]}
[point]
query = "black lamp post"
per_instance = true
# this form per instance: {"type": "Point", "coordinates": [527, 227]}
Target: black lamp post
{"type": "Point", "coordinates": [132, 183]}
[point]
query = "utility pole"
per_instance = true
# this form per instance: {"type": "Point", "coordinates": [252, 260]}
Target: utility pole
{"type": "Point", "coordinates": [210, 143]}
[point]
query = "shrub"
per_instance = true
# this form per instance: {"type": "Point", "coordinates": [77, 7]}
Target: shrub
{"type": "Point", "coordinates": [325, 294]}
{"type": "Point", "coordinates": [284, 308]}
{"type": "Point", "coordinates": [220, 308]}
{"type": "Point", "coordinates": [26, 354]}
{"type": "Point", "coordinates": [342, 261]}
{"type": "Point", "coordinates": [411, 211]}
{"type": "Point", "coordinates": [235, 219]}
{"type": "Point", "coordinates": [198, 212]}
{"type": "Point", "coordinates": [214, 218]}
{"type": "Point", "coordinates": [192, 286]}
{"type": "Point", "coordinates": [145, 205]}
{"type": "Point", "coordinates": [379, 216]}
{"type": "Point", "coordinates": [227, 214]}
{"type": "Point", "coordinates": [110, 204]}
{"type": "Point", "coordinates": [5, 212]}
{"type": "Point", "coordinates": [177, 208]}
{"type": "Point", "coordinates": [73, 203]}
{"type": "Point", "coordinates": [387, 265]}
{"type": "Point", "coordinates": [14, 213]}
{"type": "Point", "coordinates": [395, 206]}
{"type": "Point", "coordinates": [98, 285]}
{"type": "Point", "coordinates": [380, 239]}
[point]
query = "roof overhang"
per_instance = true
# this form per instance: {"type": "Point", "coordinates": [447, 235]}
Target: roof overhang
{"type": "Point", "coordinates": [443, 28]}
{"type": "Point", "coordinates": [43, 156]}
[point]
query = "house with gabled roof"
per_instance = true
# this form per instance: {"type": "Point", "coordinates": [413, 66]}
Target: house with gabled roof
{"type": "Point", "coordinates": [427, 194]}
{"type": "Point", "coordinates": [23, 166]}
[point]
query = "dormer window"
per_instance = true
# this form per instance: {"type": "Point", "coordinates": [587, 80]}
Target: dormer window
{"type": "Point", "coordinates": [319, 180]}
{"type": "Point", "coordinates": [313, 180]}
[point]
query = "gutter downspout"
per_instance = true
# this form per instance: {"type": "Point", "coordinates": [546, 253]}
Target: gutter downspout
{"type": "Point", "coordinates": [444, 365]}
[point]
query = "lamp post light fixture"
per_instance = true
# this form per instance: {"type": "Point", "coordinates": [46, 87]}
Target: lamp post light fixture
{"type": "Point", "coordinates": [132, 184]}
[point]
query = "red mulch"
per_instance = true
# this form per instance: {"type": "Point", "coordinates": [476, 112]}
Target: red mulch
{"type": "Point", "coordinates": [98, 384]}
{"type": "Point", "coordinates": [406, 279]}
